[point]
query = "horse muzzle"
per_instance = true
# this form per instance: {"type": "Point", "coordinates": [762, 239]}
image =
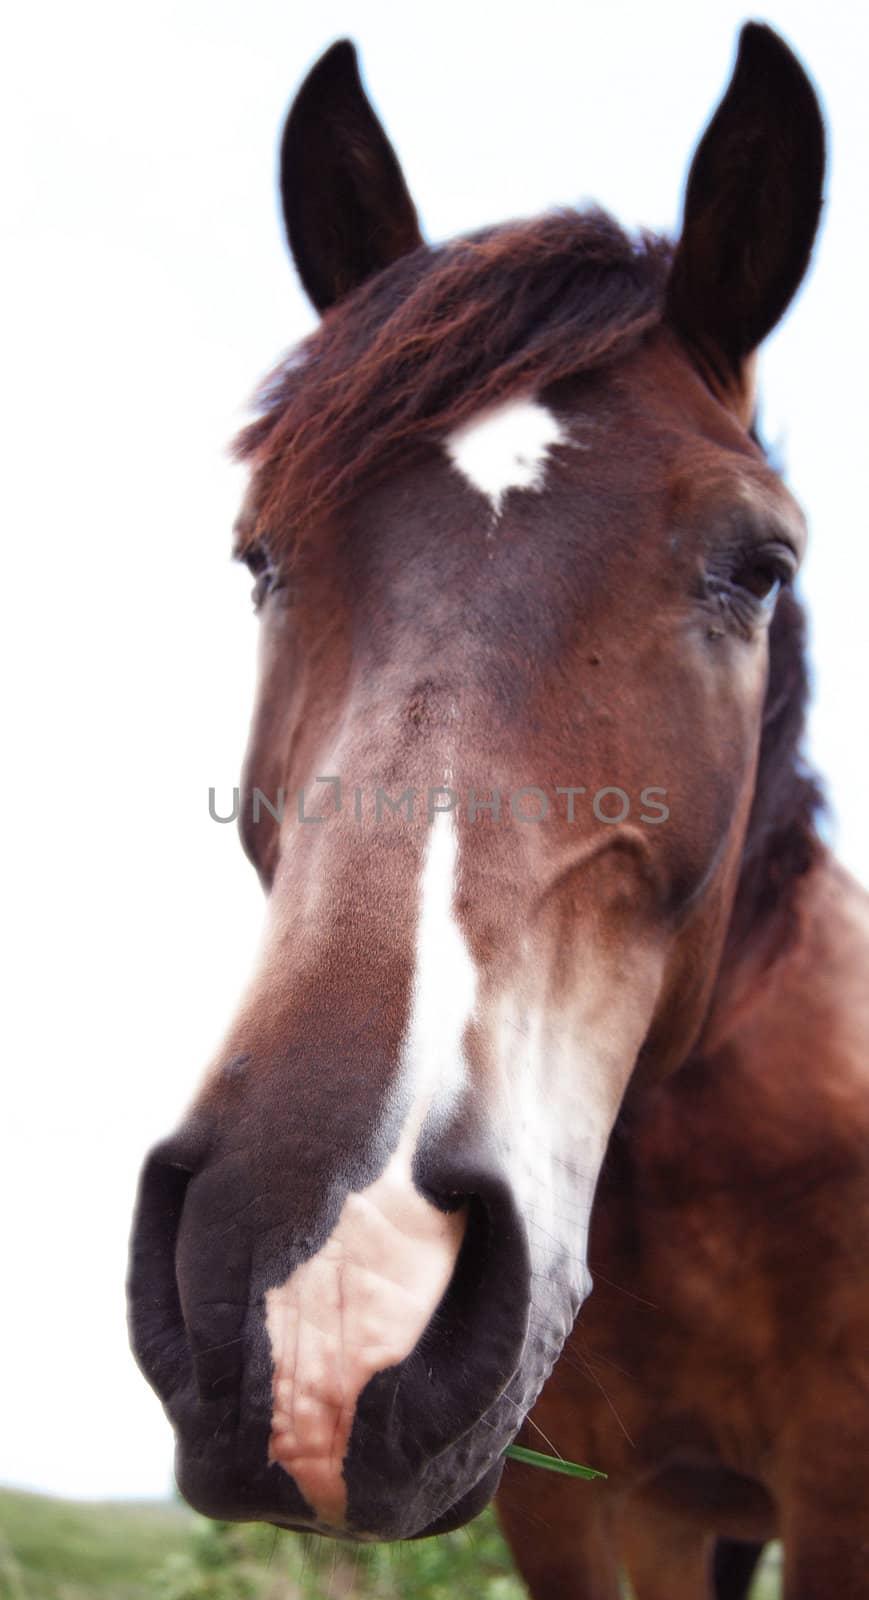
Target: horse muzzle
{"type": "Point", "coordinates": [358, 1374]}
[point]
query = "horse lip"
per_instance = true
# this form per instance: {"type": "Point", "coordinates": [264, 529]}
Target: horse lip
{"type": "Point", "coordinates": [228, 1489]}
{"type": "Point", "coordinates": [323, 1530]}
{"type": "Point", "coordinates": [474, 1492]}
{"type": "Point", "coordinates": [468, 1505]}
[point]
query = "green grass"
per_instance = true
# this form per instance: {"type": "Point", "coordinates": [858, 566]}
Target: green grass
{"type": "Point", "coordinates": [59, 1550]}
{"type": "Point", "coordinates": [62, 1550]}
{"type": "Point", "coordinates": [534, 1458]}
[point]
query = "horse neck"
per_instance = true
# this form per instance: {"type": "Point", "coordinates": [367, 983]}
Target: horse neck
{"type": "Point", "coordinates": [807, 965]}
{"type": "Point", "coordinates": [774, 1096]}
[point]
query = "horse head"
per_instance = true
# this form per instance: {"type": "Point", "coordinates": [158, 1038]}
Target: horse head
{"type": "Point", "coordinates": [518, 559]}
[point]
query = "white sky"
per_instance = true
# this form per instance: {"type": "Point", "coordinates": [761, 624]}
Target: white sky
{"type": "Point", "coordinates": [146, 289]}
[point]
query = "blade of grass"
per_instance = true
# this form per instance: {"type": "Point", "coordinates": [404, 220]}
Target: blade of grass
{"type": "Point", "coordinates": [534, 1458]}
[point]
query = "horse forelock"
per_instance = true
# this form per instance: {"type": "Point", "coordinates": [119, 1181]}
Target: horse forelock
{"type": "Point", "coordinates": [437, 337]}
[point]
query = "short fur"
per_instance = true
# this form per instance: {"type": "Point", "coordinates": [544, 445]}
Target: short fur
{"type": "Point", "coordinates": [436, 337]}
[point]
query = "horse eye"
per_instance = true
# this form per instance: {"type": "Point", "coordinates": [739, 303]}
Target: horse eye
{"type": "Point", "coordinates": [260, 565]}
{"type": "Point", "coordinates": [763, 573]}
{"type": "Point", "coordinates": [256, 559]}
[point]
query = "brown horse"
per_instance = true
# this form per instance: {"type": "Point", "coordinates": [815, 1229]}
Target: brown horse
{"type": "Point", "coordinates": [524, 791]}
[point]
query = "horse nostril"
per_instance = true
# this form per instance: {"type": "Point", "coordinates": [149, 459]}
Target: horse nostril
{"type": "Point", "coordinates": [155, 1318]}
{"type": "Point", "coordinates": [444, 1200]}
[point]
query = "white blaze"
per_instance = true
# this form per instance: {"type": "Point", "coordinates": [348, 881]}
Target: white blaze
{"type": "Point", "coordinates": [445, 983]}
{"type": "Point", "coordinates": [505, 447]}
{"type": "Point", "coordinates": [363, 1301]}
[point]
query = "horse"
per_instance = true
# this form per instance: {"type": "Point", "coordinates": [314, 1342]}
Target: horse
{"type": "Point", "coordinates": [559, 984]}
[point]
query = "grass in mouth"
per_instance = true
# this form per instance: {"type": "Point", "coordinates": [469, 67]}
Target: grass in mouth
{"type": "Point", "coordinates": [534, 1458]}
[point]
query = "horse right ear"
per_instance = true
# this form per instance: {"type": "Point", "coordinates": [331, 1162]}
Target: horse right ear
{"type": "Point", "coordinates": [346, 206]}
{"type": "Point", "coordinates": [752, 204]}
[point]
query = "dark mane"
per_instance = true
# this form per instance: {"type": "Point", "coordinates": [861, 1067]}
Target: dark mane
{"type": "Point", "coordinates": [435, 337]}
{"type": "Point", "coordinates": [781, 842]}
{"type": "Point", "coordinates": [442, 333]}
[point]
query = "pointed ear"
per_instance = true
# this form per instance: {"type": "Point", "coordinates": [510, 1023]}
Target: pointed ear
{"type": "Point", "coordinates": [346, 206]}
{"type": "Point", "coordinates": [752, 204]}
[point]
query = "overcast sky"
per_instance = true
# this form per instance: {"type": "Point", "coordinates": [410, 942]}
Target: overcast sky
{"type": "Point", "coordinates": [146, 289]}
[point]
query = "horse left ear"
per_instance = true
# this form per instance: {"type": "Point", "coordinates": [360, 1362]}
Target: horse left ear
{"type": "Point", "coordinates": [752, 204]}
{"type": "Point", "coordinates": [346, 205]}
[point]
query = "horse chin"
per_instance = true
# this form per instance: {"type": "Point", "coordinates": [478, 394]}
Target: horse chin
{"type": "Point", "coordinates": [468, 1506]}
{"type": "Point", "coordinates": [238, 1486]}
{"type": "Point", "coordinates": [462, 1511]}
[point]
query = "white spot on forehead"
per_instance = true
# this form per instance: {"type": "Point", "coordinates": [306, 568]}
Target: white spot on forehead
{"type": "Point", "coordinates": [505, 447]}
